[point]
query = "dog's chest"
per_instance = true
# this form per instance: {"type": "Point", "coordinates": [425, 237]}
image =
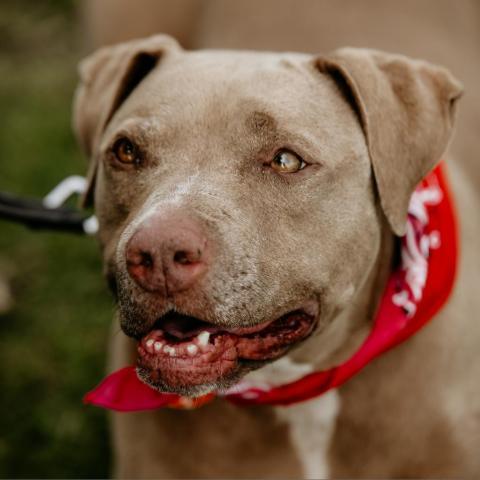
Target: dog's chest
{"type": "Point", "coordinates": [311, 426]}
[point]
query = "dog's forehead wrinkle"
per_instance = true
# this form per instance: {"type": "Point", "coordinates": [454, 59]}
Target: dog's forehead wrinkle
{"type": "Point", "coordinates": [200, 77]}
{"type": "Point", "coordinates": [260, 121]}
{"type": "Point", "coordinates": [220, 109]}
{"type": "Point", "coordinates": [140, 123]}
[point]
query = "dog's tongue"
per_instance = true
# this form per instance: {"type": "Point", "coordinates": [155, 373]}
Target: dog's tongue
{"type": "Point", "coordinates": [182, 327]}
{"type": "Point", "coordinates": [124, 392]}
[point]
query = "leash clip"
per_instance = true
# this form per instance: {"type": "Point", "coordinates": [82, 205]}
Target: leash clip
{"type": "Point", "coordinates": [50, 213]}
{"type": "Point", "coordinates": [72, 185]}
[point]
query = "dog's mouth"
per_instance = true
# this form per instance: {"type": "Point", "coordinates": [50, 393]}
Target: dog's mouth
{"type": "Point", "coordinates": [181, 352]}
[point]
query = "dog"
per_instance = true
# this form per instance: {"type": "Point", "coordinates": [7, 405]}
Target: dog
{"type": "Point", "coordinates": [237, 189]}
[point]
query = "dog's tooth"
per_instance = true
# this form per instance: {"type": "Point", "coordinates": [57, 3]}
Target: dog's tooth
{"type": "Point", "coordinates": [203, 338]}
{"type": "Point", "coordinates": [149, 343]}
{"type": "Point", "coordinates": [192, 349]}
{"type": "Point", "coordinates": [170, 350]}
{"type": "Point", "coordinates": [158, 346]}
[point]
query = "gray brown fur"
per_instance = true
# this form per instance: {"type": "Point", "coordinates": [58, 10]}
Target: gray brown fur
{"type": "Point", "coordinates": [412, 413]}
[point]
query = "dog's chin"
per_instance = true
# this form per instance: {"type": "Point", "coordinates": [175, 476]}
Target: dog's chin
{"type": "Point", "coordinates": [189, 356]}
{"type": "Point", "coordinates": [154, 379]}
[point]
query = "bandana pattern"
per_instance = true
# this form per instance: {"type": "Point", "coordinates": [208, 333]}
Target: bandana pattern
{"type": "Point", "coordinates": [415, 291]}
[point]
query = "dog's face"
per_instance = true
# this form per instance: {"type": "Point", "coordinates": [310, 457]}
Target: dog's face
{"type": "Point", "coordinates": [238, 208]}
{"type": "Point", "coordinates": [243, 175]}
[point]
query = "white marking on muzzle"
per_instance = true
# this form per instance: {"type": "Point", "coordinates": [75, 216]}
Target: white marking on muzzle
{"type": "Point", "coordinates": [156, 201]}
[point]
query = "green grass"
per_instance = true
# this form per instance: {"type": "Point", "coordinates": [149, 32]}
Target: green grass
{"type": "Point", "coordinates": [53, 341]}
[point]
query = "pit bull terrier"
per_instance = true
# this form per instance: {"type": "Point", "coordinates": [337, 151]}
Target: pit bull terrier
{"type": "Point", "coordinates": [250, 207]}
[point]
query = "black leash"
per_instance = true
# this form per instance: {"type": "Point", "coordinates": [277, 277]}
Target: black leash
{"type": "Point", "coordinates": [49, 214]}
{"type": "Point", "coordinates": [33, 214]}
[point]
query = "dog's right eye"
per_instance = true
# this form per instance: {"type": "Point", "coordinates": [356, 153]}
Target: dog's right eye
{"type": "Point", "coordinates": [285, 161]}
{"type": "Point", "coordinates": [126, 152]}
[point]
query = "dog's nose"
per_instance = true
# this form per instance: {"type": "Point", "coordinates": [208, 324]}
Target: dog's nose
{"type": "Point", "coordinates": [167, 254]}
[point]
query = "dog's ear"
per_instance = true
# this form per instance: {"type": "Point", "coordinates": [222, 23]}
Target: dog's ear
{"type": "Point", "coordinates": [107, 78]}
{"type": "Point", "coordinates": [406, 109]}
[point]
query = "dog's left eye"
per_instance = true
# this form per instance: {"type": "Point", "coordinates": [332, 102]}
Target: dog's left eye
{"type": "Point", "coordinates": [126, 151]}
{"type": "Point", "coordinates": [285, 161]}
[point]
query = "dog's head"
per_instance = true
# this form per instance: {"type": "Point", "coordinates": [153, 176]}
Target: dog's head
{"type": "Point", "coordinates": [243, 197]}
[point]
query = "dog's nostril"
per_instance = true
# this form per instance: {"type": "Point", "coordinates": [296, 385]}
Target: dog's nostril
{"type": "Point", "coordinates": [146, 260]}
{"type": "Point", "coordinates": [185, 258]}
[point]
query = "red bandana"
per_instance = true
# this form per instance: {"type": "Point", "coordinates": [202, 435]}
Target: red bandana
{"type": "Point", "coordinates": [415, 291]}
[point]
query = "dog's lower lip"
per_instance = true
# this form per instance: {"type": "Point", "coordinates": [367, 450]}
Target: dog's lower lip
{"type": "Point", "coordinates": [212, 353]}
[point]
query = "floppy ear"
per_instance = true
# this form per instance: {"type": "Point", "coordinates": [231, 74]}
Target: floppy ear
{"type": "Point", "coordinates": [107, 78]}
{"type": "Point", "coordinates": [406, 108]}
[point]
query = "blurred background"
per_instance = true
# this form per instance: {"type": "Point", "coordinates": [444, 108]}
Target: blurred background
{"type": "Point", "coordinates": [54, 322]}
{"type": "Point", "coordinates": [55, 310]}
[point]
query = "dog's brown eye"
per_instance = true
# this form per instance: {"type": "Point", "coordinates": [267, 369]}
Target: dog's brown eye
{"type": "Point", "coordinates": [126, 151]}
{"type": "Point", "coordinates": [287, 162]}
